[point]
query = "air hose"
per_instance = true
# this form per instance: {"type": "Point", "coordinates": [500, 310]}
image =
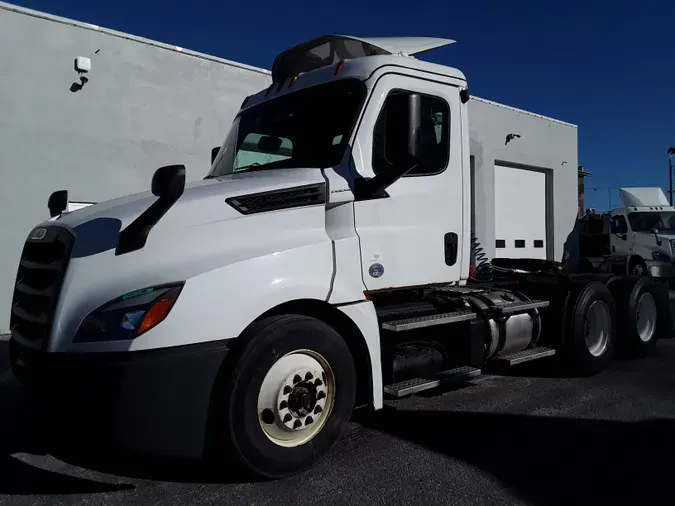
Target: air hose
{"type": "Point", "coordinates": [482, 270]}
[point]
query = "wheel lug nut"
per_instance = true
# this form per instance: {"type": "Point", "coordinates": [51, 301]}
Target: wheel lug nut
{"type": "Point", "coordinates": [297, 424]}
{"type": "Point", "coordinates": [267, 416]}
{"type": "Point", "coordinates": [297, 379]}
{"type": "Point", "coordinates": [288, 418]}
{"type": "Point", "coordinates": [287, 390]}
{"type": "Point", "coordinates": [283, 404]}
{"type": "Point", "coordinates": [317, 409]}
{"type": "Point", "coordinates": [309, 420]}
{"type": "Point", "coordinates": [318, 382]}
{"type": "Point", "coordinates": [321, 395]}
{"type": "Point", "coordinates": [308, 376]}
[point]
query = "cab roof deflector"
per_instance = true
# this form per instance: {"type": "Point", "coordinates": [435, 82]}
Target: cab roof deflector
{"type": "Point", "coordinates": [326, 50]}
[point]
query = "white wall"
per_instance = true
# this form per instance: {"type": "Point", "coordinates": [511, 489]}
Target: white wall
{"type": "Point", "coordinates": [146, 105]}
{"type": "Point", "coordinates": [545, 145]}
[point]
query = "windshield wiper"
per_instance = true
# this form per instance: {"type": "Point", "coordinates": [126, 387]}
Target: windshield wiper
{"type": "Point", "coordinates": [254, 167]}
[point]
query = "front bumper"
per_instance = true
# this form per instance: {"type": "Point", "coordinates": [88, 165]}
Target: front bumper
{"type": "Point", "coordinates": [153, 402]}
{"type": "Point", "coordinates": [660, 269]}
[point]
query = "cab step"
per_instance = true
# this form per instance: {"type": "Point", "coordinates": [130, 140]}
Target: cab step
{"type": "Point", "coordinates": [519, 307]}
{"type": "Point", "coordinates": [526, 355]}
{"type": "Point", "coordinates": [459, 290]}
{"type": "Point", "coordinates": [413, 386]}
{"type": "Point", "coordinates": [420, 322]}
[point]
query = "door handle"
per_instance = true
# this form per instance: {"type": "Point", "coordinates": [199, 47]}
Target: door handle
{"type": "Point", "coordinates": [450, 241]}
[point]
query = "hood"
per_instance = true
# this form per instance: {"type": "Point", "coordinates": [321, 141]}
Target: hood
{"type": "Point", "coordinates": [202, 201]}
{"type": "Point", "coordinates": [664, 236]}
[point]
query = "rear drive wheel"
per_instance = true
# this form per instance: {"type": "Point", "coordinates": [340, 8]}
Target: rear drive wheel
{"type": "Point", "coordinates": [289, 397]}
{"type": "Point", "coordinates": [638, 316]}
{"type": "Point", "coordinates": [591, 336]}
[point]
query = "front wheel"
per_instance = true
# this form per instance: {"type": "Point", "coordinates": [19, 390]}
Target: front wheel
{"type": "Point", "coordinates": [289, 397]}
{"type": "Point", "coordinates": [638, 267]}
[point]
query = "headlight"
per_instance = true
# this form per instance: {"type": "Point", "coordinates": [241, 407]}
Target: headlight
{"type": "Point", "coordinates": [130, 315]}
{"type": "Point", "coordinates": [659, 256]}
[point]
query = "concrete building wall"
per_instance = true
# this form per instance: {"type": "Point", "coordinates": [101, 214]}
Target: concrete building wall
{"type": "Point", "coordinates": [145, 105]}
{"type": "Point", "coordinates": [544, 145]}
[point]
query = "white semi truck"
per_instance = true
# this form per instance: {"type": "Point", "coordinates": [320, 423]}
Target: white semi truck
{"type": "Point", "coordinates": [323, 264]}
{"type": "Point", "coordinates": [637, 238]}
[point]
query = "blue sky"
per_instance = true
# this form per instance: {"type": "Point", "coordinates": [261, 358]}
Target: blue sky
{"type": "Point", "coordinates": [606, 65]}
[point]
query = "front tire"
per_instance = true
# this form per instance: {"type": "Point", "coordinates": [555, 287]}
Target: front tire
{"type": "Point", "coordinates": [638, 267]}
{"type": "Point", "coordinates": [289, 397]}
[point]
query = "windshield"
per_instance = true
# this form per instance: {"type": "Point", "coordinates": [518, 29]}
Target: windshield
{"type": "Point", "coordinates": [644, 222]}
{"type": "Point", "coordinates": [309, 129]}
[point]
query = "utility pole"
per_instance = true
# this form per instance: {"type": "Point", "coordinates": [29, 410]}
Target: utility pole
{"type": "Point", "coordinates": [671, 152]}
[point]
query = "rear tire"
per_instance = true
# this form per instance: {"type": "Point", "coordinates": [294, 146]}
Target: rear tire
{"type": "Point", "coordinates": [638, 316]}
{"type": "Point", "coordinates": [288, 398]}
{"type": "Point", "coordinates": [591, 335]}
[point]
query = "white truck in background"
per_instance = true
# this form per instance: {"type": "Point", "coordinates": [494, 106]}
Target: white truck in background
{"type": "Point", "coordinates": [246, 315]}
{"type": "Point", "coordinates": [637, 238]}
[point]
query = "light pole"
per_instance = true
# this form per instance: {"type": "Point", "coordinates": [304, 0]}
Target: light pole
{"type": "Point", "coordinates": [671, 152]}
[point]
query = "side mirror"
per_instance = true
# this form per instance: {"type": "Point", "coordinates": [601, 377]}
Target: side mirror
{"type": "Point", "coordinates": [655, 231]}
{"type": "Point", "coordinates": [268, 144]}
{"type": "Point", "coordinates": [403, 144]}
{"type": "Point", "coordinates": [168, 183]}
{"type": "Point", "coordinates": [58, 202]}
{"type": "Point", "coordinates": [214, 154]}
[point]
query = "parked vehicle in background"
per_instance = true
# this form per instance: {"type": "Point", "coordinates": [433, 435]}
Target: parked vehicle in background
{"type": "Point", "coordinates": [636, 239]}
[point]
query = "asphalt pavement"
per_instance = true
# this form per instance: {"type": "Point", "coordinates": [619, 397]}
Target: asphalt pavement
{"type": "Point", "coordinates": [533, 436]}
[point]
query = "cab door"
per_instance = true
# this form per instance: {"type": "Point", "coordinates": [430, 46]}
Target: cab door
{"type": "Point", "coordinates": [411, 235]}
{"type": "Point", "coordinates": [621, 238]}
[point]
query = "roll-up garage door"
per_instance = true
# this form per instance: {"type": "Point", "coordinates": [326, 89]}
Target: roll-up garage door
{"type": "Point", "coordinates": [520, 213]}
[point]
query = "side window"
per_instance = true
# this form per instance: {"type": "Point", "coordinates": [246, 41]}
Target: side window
{"type": "Point", "coordinates": [619, 225]}
{"type": "Point", "coordinates": [435, 126]}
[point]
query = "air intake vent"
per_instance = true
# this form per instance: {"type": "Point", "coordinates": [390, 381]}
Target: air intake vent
{"type": "Point", "coordinates": [276, 200]}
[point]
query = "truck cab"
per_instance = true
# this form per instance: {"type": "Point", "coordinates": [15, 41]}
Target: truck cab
{"type": "Point", "coordinates": [323, 263]}
{"type": "Point", "coordinates": [313, 119]}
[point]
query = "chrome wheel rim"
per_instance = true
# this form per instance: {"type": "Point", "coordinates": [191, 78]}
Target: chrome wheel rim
{"type": "Point", "coordinates": [598, 326]}
{"type": "Point", "coordinates": [646, 317]}
{"type": "Point", "coordinates": [296, 398]}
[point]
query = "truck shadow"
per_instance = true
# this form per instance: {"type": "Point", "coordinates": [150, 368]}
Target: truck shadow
{"type": "Point", "coordinates": [554, 367]}
{"type": "Point", "coordinates": [18, 436]}
{"type": "Point", "coordinates": [130, 465]}
{"type": "Point", "coordinates": [550, 460]}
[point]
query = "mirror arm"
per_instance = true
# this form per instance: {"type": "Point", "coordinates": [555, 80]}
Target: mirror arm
{"type": "Point", "coordinates": [370, 188]}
